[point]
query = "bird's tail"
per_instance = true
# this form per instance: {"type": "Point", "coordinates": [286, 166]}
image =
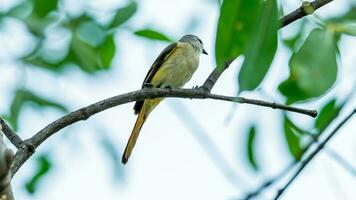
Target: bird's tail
{"type": "Point", "coordinates": [134, 135]}
{"type": "Point", "coordinates": [148, 106]}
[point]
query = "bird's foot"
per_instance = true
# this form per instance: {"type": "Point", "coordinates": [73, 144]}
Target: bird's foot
{"type": "Point", "coordinates": [147, 85]}
{"type": "Point", "coordinates": [169, 88]}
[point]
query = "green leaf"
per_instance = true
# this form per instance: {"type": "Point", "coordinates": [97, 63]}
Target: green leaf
{"type": "Point", "coordinates": [44, 165]}
{"type": "Point", "coordinates": [107, 51]}
{"type": "Point", "coordinates": [90, 32]}
{"type": "Point", "coordinates": [251, 147]}
{"type": "Point", "coordinates": [237, 19]}
{"type": "Point", "coordinates": [346, 27]}
{"type": "Point", "coordinates": [41, 8]}
{"type": "Point", "coordinates": [21, 10]}
{"type": "Point", "coordinates": [293, 139]}
{"type": "Point", "coordinates": [40, 62]}
{"type": "Point", "coordinates": [123, 14]}
{"type": "Point", "coordinates": [153, 35]}
{"type": "Point", "coordinates": [260, 48]}
{"type": "Point", "coordinates": [327, 114]}
{"type": "Point", "coordinates": [84, 55]}
{"type": "Point", "coordinates": [37, 25]}
{"type": "Point", "coordinates": [25, 96]}
{"type": "Point", "coordinates": [313, 68]}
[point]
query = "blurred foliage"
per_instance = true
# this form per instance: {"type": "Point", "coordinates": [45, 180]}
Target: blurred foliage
{"type": "Point", "coordinates": [245, 27]}
{"type": "Point", "coordinates": [153, 35]}
{"type": "Point", "coordinates": [293, 137]}
{"type": "Point", "coordinates": [23, 97]}
{"type": "Point", "coordinates": [327, 114]}
{"type": "Point", "coordinates": [44, 165]}
{"type": "Point", "coordinates": [123, 14]}
{"type": "Point", "coordinates": [261, 46]}
{"type": "Point", "coordinates": [91, 46]}
{"type": "Point", "coordinates": [308, 65]}
{"type": "Point", "coordinates": [236, 22]}
{"type": "Point", "coordinates": [250, 146]}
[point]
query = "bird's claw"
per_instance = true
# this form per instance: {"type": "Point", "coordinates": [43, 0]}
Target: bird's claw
{"type": "Point", "coordinates": [195, 87]}
{"type": "Point", "coordinates": [147, 85]}
{"type": "Point", "coordinates": [169, 88]}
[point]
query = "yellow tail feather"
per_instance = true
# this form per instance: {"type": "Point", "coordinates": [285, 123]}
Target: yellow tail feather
{"type": "Point", "coordinates": [134, 135]}
{"type": "Point", "coordinates": [147, 107]}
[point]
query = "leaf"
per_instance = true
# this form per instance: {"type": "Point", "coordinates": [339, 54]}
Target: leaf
{"type": "Point", "coordinates": [153, 35]}
{"type": "Point", "coordinates": [123, 14]}
{"type": "Point", "coordinates": [44, 165]}
{"type": "Point", "coordinates": [107, 51]}
{"type": "Point", "coordinates": [40, 62]}
{"type": "Point", "coordinates": [312, 70]}
{"type": "Point", "coordinates": [347, 27]}
{"type": "Point", "coordinates": [21, 10]}
{"type": "Point", "coordinates": [236, 21]}
{"type": "Point", "coordinates": [260, 48]}
{"type": "Point", "coordinates": [84, 55]}
{"type": "Point", "coordinates": [293, 139]}
{"type": "Point", "coordinates": [37, 25]}
{"type": "Point", "coordinates": [251, 147]}
{"type": "Point", "coordinates": [327, 114]}
{"type": "Point", "coordinates": [90, 32]}
{"type": "Point", "coordinates": [41, 8]}
{"type": "Point", "coordinates": [24, 96]}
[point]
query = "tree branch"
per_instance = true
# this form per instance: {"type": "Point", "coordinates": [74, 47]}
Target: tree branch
{"type": "Point", "coordinates": [6, 156]}
{"type": "Point", "coordinates": [305, 9]}
{"type": "Point", "coordinates": [300, 12]}
{"type": "Point", "coordinates": [307, 160]}
{"type": "Point", "coordinates": [28, 146]}
{"type": "Point", "coordinates": [10, 134]}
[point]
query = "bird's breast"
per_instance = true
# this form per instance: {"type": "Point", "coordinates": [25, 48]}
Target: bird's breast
{"type": "Point", "coordinates": [179, 67]}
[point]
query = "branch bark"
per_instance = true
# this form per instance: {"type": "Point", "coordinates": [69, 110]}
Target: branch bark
{"type": "Point", "coordinates": [28, 146]}
{"type": "Point", "coordinates": [312, 155]}
{"type": "Point", "coordinates": [305, 9]}
{"type": "Point", "coordinates": [6, 156]}
{"type": "Point", "coordinates": [10, 134]}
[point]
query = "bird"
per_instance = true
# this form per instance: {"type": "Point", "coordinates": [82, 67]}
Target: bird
{"type": "Point", "coordinates": [173, 67]}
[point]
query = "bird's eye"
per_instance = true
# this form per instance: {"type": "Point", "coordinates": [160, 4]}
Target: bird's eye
{"type": "Point", "coordinates": [200, 41]}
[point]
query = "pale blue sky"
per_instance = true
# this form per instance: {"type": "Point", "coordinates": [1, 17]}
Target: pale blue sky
{"type": "Point", "coordinates": [168, 161]}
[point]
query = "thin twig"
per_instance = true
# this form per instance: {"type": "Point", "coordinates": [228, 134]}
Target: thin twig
{"type": "Point", "coordinates": [307, 160]}
{"type": "Point", "coordinates": [269, 182]}
{"type": "Point", "coordinates": [10, 134]}
{"type": "Point", "coordinates": [306, 9]}
{"type": "Point", "coordinates": [28, 147]}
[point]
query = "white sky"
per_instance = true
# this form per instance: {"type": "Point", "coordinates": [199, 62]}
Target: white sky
{"type": "Point", "coordinates": [168, 161]}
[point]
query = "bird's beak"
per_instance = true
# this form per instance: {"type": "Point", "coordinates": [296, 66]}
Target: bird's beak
{"type": "Point", "coordinates": [204, 52]}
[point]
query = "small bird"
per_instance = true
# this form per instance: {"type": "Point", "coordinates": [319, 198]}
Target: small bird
{"type": "Point", "coordinates": [173, 68]}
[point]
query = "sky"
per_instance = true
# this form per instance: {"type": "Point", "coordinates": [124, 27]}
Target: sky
{"type": "Point", "coordinates": [187, 149]}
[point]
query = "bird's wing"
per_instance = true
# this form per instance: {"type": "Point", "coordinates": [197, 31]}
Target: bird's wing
{"type": "Point", "coordinates": [162, 57]}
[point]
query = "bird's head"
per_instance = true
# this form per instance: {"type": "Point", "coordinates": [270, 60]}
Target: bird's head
{"type": "Point", "coordinates": [195, 42]}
